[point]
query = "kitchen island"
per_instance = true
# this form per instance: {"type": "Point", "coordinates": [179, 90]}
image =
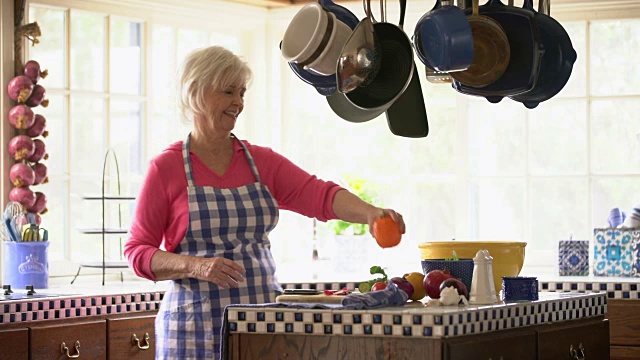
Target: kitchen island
{"type": "Point", "coordinates": [557, 326]}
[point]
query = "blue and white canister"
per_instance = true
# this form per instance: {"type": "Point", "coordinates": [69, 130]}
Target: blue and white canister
{"type": "Point", "coordinates": [573, 257]}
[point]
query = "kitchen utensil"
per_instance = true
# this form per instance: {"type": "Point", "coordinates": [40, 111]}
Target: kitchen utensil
{"type": "Point", "coordinates": [437, 77]}
{"type": "Point", "coordinates": [557, 61]}
{"type": "Point", "coordinates": [508, 256]}
{"type": "Point", "coordinates": [396, 67]}
{"type": "Point", "coordinates": [13, 217]}
{"type": "Point", "coordinates": [407, 116]}
{"type": "Point", "coordinates": [526, 52]}
{"type": "Point", "coordinates": [344, 108]}
{"type": "Point", "coordinates": [318, 298]}
{"type": "Point", "coordinates": [35, 233]}
{"type": "Point", "coordinates": [445, 38]}
{"type": "Point", "coordinates": [359, 61]}
{"type": "Point", "coordinates": [314, 39]}
{"type": "Point", "coordinates": [483, 290]}
{"type": "Point", "coordinates": [491, 49]}
{"type": "Point", "coordinates": [324, 84]}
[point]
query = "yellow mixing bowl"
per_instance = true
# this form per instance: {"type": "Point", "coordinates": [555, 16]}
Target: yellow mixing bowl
{"type": "Point", "coordinates": [508, 256]}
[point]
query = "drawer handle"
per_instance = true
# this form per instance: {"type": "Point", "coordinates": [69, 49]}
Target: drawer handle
{"type": "Point", "coordinates": [577, 354]}
{"type": "Point", "coordinates": [65, 350]}
{"type": "Point", "coordinates": [135, 341]}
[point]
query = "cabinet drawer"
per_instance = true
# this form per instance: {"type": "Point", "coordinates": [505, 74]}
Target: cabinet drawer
{"type": "Point", "coordinates": [502, 345]}
{"type": "Point", "coordinates": [46, 341]}
{"type": "Point", "coordinates": [15, 344]}
{"type": "Point", "coordinates": [121, 342]}
{"type": "Point", "coordinates": [624, 321]}
{"type": "Point", "coordinates": [557, 343]}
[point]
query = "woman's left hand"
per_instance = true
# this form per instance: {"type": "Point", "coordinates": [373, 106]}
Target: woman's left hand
{"type": "Point", "coordinates": [386, 212]}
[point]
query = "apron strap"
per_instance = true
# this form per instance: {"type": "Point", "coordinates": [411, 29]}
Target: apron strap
{"type": "Point", "coordinates": [189, 170]}
{"type": "Point", "coordinates": [187, 161]}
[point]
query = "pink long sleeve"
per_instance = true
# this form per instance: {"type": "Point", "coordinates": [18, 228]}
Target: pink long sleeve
{"type": "Point", "coordinates": [162, 217]}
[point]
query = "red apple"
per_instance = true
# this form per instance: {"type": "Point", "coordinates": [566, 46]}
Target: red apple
{"type": "Point", "coordinates": [433, 280]}
{"type": "Point", "coordinates": [457, 284]}
{"type": "Point", "coordinates": [403, 284]}
{"type": "Point", "coordinates": [380, 285]}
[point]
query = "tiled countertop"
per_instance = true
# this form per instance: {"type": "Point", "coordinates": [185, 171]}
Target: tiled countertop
{"type": "Point", "coordinates": [138, 296]}
{"type": "Point", "coordinates": [416, 321]}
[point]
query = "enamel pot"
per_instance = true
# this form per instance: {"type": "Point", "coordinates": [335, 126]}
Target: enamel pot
{"type": "Point", "coordinates": [526, 52]}
{"type": "Point", "coordinates": [557, 62]}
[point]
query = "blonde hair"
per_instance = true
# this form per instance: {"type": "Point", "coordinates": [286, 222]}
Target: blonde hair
{"type": "Point", "coordinates": [208, 69]}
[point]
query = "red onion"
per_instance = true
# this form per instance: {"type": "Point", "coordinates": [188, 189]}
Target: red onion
{"type": "Point", "coordinates": [40, 205]}
{"type": "Point", "coordinates": [21, 147]}
{"type": "Point", "coordinates": [38, 127]}
{"type": "Point", "coordinates": [33, 72]}
{"type": "Point", "coordinates": [23, 195]}
{"type": "Point", "coordinates": [20, 88]}
{"type": "Point", "coordinates": [40, 170]}
{"type": "Point", "coordinates": [22, 175]}
{"type": "Point", "coordinates": [40, 151]}
{"type": "Point", "coordinates": [37, 97]}
{"type": "Point", "coordinates": [37, 218]}
{"type": "Point", "coordinates": [21, 117]}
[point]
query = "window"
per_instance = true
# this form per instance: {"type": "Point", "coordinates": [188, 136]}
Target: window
{"type": "Point", "coordinates": [111, 85]}
{"type": "Point", "coordinates": [486, 171]}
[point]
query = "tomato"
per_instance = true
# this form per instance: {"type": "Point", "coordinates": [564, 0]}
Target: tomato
{"type": "Point", "coordinates": [380, 285]}
{"type": "Point", "coordinates": [386, 232]}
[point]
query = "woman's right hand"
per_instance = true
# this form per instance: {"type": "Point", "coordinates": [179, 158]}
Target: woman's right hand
{"type": "Point", "coordinates": [221, 271]}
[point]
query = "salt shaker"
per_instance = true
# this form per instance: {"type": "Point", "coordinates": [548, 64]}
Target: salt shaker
{"type": "Point", "coordinates": [483, 290]}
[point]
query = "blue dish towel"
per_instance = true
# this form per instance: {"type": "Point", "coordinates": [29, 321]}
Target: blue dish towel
{"type": "Point", "coordinates": [390, 296]}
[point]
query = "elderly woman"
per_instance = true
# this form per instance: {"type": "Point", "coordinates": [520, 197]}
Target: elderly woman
{"type": "Point", "coordinates": [207, 206]}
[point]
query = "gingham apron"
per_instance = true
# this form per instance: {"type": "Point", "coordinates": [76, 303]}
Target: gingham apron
{"type": "Point", "coordinates": [233, 223]}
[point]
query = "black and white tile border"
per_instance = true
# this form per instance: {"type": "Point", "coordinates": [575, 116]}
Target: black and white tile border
{"type": "Point", "coordinates": [613, 290]}
{"type": "Point", "coordinates": [77, 306]}
{"type": "Point", "coordinates": [413, 322]}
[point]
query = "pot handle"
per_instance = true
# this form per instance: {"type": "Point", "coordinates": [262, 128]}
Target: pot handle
{"type": "Point", "coordinates": [403, 10]}
{"type": "Point", "coordinates": [544, 7]}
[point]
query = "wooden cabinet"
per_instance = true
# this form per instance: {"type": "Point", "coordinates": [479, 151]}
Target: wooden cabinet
{"type": "Point", "coordinates": [287, 347]}
{"type": "Point", "coordinates": [515, 344]}
{"type": "Point", "coordinates": [575, 342]}
{"type": "Point", "coordinates": [15, 344]}
{"type": "Point", "coordinates": [131, 338]}
{"type": "Point", "coordinates": [624, 316]}
{"type": "Point", "coordinates": [543, 342]}
{"type": "Point", "coordinates": [63, 341]}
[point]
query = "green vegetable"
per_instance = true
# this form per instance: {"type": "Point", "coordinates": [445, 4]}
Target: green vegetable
{"type": "Point", "coordinates": [454, 258]}
{"type": "Point", "coordinates": [377, 270]}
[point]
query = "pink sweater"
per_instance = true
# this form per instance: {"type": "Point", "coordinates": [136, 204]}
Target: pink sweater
{"type": "Point", "coordinates": [162, 210]}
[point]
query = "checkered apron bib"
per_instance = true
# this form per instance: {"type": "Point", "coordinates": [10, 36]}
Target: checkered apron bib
{"type": "Point", "coordinates": [233, 223]}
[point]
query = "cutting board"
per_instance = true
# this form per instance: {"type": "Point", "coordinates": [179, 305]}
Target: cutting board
{"type": "Point", "coordinates": [320, 298]}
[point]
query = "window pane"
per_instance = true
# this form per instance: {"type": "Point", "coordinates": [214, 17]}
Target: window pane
{"type": "Point", "coordinates": [615, 143]}
{"type": "Point", "coordinates": [163, 65]}
{"type": "Point", "coordinates": [577, 84]}
{"type": "Point", "coordinates": [436, 154]}
{"type": "Point", "coordinates": [163, 132]}
{"type": "Point", "coordinates": [496, 138]}
{"type": "Point", "coordinates": [54, 220]}
{"type": "Point", "coordinates": [609, 193]}
{"type": "Point", "coordinates": [87, 51]}
{"type": "Point", "coordinates": [500, 211]}
{"type": "Point", "coordinates": [85, 214]}
{"type": "Point", "coordinates": [50, 52]}
{"type": "Point", "coordinates": [228, 41]}
{"type": "Point", "coordinates": [558, 138]}
{"type": "Point", "coordinates": [56, 140]}
{"type": "Point", "coordinates": [126, 60]}
{"type": "Point", "coordinates": [87, 135]}
{"type": "Point", "coordinates": [615, 48]}
{"type": "Point", "coordinates": [125, 130]}
{"type": "Point", "coordinates": [559, 209]}
{"type": "Point", "coordinates": [189, 40]}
